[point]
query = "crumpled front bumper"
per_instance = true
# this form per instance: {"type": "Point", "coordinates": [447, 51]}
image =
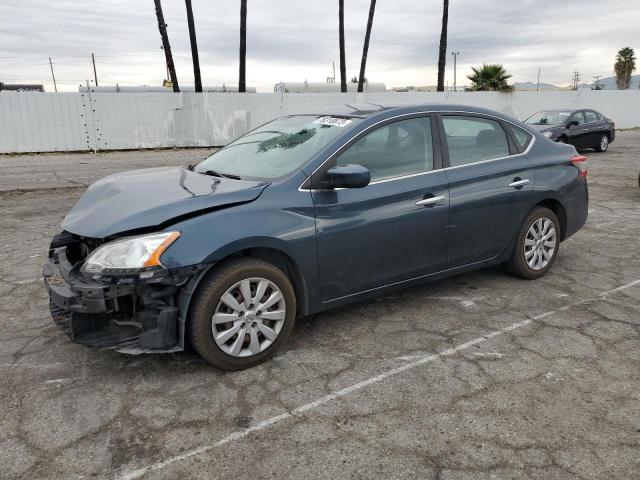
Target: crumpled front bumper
{"type": "Point", "coordinates": [125, 314]}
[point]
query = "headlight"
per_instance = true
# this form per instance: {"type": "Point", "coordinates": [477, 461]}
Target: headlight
{"type": "Point", "coordinates": [548, 134]}
{"type": "Point", "coordinates": [133, 253]}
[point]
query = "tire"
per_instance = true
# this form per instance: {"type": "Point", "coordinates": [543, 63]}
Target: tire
{"type": "Point", "coordinates": [603, 145]}
{"type": "Point", "coordinates": [561, 140]}
{"type": "Point", "coordinates": [519, 264]}
{"type": "Point", "coordinates": [248, 322]}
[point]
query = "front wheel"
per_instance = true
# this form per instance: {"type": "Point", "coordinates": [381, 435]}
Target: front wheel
{"type": "Point", "coordinates": [537, 245]}
{"type": "Point", "coordinates": [242, 312]}
{"type": "Point", "coordinates": [603, 145]}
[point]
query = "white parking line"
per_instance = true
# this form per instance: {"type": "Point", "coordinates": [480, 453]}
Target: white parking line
{"type": "Point", "coordinates": [360, 385]}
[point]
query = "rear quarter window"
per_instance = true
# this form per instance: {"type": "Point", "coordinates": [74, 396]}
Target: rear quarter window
{"type": "Point", "coordinates": [521, 138]}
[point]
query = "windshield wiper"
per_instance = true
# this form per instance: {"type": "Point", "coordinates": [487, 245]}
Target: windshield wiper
{"type": "Point", "coordinates": [213, 173]}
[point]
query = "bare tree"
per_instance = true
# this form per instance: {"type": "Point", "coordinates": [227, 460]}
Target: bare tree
{"type": "Point", "coordinates": [242, 83]}
{"type": "Point", "coordinates": [442, 58]}
{"type": "Point", "coordinates": [343, 61]}
{"type": "Point", "coordinates": [166, 46]}
{"type": "Point", "coordinates": [194, 47]}
{"type": "Point", "coordinates": [365, 49]}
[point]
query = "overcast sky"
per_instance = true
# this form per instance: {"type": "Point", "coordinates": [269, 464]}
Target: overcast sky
{"type": "Point", "coordinates": [293, 40]}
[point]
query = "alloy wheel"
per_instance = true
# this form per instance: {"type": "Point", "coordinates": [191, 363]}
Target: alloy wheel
{"type": "Point", "coordinates": [540, 243]}
{"type": "Point", "coordinates": [248, 317]}
{"type": "Point", "coordinates": [604, 143]}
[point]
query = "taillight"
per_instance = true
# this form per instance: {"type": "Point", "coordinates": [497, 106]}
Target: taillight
{"type": "Point", "coordinates": [580, 161]}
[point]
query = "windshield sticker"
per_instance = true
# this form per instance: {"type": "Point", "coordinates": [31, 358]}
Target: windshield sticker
{"type": "Point", "coordinates": [333, 121]}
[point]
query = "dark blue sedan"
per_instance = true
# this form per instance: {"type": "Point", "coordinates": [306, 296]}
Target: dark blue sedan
{"type": "Point", "coordinates": [303, 214]}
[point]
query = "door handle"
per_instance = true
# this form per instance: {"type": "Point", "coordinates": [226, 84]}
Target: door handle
{"type": "Point", "coordinates": [519, 183]}
{"type": "Point", "coordinates": [585, 129]}
{"type": "Point", "coordinates": [431, 200]}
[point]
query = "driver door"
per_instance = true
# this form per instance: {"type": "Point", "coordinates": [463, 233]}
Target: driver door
{"type": "Point", "coordinates": [578, 134]}
{"type": "Point", "coordinates": [395, 227]}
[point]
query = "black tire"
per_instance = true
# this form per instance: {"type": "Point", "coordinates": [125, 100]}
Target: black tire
{"type": "Point", "coordinates": [561, 140]}
{"type": "Point", "coordinates": [603, 145]}
{"type": "Point", "coordinates": [518, 265]}
{"type": "Point", "coordinates": [206, 299]}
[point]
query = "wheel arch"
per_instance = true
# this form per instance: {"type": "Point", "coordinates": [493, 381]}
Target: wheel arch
{"type": "Point", "coordinates": [556, 207]}
{"type": "Point", "coordinates": [277, 257]}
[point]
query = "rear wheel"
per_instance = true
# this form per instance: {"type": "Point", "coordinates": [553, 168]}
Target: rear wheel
{"type": "Point", "coordinates": [537, 245]}
{"type": "Point", "coordinates": [243, 311]}
{"type": "Point", "coordinates": [603, 145]}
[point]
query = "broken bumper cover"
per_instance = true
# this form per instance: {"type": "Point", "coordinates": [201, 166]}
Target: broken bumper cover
{"type": "Point", "coordinates": [125, 313]}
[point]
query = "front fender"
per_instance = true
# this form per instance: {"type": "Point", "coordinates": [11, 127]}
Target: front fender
{"type": "Point", "coordinates": [277, 221]}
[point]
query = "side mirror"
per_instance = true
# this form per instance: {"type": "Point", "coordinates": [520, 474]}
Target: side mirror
{"type": "Point", "coordinates": [572, 123]}
{"type": "Point", "coordinates": [348, 176]}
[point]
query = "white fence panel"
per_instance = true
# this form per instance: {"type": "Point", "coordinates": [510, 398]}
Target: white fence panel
{"type": "Point", "coordinates": [46, 122]}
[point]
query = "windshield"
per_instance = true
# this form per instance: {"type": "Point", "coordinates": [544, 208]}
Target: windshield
{"type": "Point", "coordinates": [276, 148]}
{"type": "Point", "coordinates": [548, 118]}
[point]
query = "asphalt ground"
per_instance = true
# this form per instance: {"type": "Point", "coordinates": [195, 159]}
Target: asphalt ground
{"type": "Point", "coordinates": [478, 376]}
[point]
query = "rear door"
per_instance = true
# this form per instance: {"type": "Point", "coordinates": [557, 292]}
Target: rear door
{"type": "Point", "coordinates": [396, 226]}
{"type": "Point", "coordinates": [490, 185]}
{"type": "Point", "coordinates": [596, 127]}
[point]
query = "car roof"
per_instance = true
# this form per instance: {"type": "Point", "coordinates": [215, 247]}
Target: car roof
{"type": "Point", "coordinates": [367, 110]}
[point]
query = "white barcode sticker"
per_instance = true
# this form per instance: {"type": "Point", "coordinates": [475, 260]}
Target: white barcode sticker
{"type": "Point", "coordinates": [333, 121]}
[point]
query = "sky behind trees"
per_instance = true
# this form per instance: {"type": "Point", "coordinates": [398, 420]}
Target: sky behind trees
{"type": "Point", "coordinates": [294, 40]}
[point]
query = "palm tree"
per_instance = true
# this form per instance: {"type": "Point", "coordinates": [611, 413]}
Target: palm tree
{"type": "Point", "coordinates": [343, 62]}
{"type": "Point", "coordinates": [194, 47]}
{"type": "Point", "coordinates": [491, 77]}
{"type": "Point", "coordinates": [624, 67]}
{"type": "Point", "coordinates": [365, 49]}
{"type": "Point", "coordinates": [242, 83]}
{"type": "Point", "coordinates": [442, 56]}
{"type": "Point", "coordinates": [166, 46]}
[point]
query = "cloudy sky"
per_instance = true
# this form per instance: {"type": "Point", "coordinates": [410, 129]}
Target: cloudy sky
{"type": "Point", "coordinates": [294, 40]}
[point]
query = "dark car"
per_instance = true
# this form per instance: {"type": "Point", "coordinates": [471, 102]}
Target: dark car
{"type": "Point", "coordinates": [580, 128]}
{"type": "Point", "coordinates": [303, 214]}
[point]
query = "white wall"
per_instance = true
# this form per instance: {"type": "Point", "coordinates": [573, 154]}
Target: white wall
{"type": "Point", "coordinates": [44, 122]}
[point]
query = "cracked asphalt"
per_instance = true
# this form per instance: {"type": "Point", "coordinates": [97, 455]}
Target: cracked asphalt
{"type": "Point", "coordinates": [478, 376]}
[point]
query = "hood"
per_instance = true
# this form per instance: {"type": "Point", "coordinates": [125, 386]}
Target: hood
{"type": "Point", "coordinates": [150, 197]}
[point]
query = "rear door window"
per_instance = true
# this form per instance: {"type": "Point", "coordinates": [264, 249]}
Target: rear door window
{"type": "Point", "coordinates": [474, 139]}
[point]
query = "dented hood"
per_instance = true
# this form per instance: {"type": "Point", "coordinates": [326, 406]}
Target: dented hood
{"type": "Point", "coordinates": [151, 197]}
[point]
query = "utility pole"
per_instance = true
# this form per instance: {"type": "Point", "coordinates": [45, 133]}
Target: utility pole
{"type": "Point", "coordinates": [365, 48]}
{"type": "Point", "coordinates": [576, 79]}
{"type": "Point", "coordinates": [166, 46]}
{"type": "Point", "coordinates": [194, 47]}
{"type": "Point", "coordinates": [242, 81]}
{"type": "Point", "coordinates": [596, 78]}
{"type": "Point", "coordinates": [455, 66]}
{"type": "Point", "coordinates": [95, 75]}
{"type": "Point", "coordinates": [538, 84]}
{"type": "Point", "coordinates": [343, 61]}
{"type": "Point", "coordinates": [55, 87]}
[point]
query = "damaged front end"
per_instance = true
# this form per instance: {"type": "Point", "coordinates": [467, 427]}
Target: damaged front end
{"type": "Point", "coordinates": [131, 312]}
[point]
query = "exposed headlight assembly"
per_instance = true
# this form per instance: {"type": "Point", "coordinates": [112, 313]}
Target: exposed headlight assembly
{"type": "Point", "coordinates": [130, 254]}
{"type": "Point", "coordinates": [548, 134]}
